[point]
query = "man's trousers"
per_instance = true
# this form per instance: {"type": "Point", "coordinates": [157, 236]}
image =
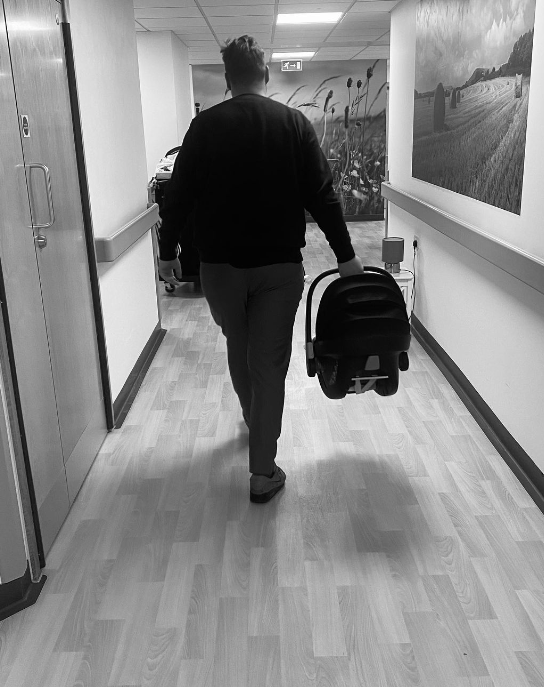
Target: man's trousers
{"type": "Point", "coordinates": [255, 308]}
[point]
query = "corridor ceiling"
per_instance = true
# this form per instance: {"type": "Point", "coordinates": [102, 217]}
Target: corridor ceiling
{"type": "Point", "coordinates": [204, 25]}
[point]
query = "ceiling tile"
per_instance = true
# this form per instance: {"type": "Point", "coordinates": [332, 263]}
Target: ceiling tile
{"type": "Point", "coordinates": [374, 53]}
{"type": "Point", "coordinates": [211, 45]}
{"type": "Point", "coordinates": [173, 24]}
{"type": "Point", "coordinates": [241, 21]}
{"type": "Point", "coordinates": [139, 4]}
{"type": "Point", "coordinates": [370, 6]}
{"type": "Point", "coordinates": [293, 32]}
{"type": "Point", "coordinates": [325, 6]}
{"type": "Point", "coordinates": [338, 51]}
{"type": "Point", "coordinates": [366, 22]}
{"type": "Point", "coordinates": [361, 23]}
{"type": "Point", "coordinates": [240, 11]}
{"type": "Point", "coordinates": [220, 3]}
{"type": "Point", "coordinates": [359, 34]}
{"type": "Point", "coordinates": [367, 16]}
{"type": "Point", "coordinates": [330, 58]}
{"type": "Point", "coordinates": [312, 6]}
{"type": "Point", "coordinates": [201, 35]}
{"type": "Point", "coordinates": [166, 12]}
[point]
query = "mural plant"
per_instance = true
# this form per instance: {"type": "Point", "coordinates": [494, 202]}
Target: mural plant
{"type": "Point", "coordinates": [355, 146]}
{"type": "Point", "coordinates": [347, 113]}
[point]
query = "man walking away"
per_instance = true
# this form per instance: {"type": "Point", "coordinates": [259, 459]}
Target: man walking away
{"type": "Point", "coordinates": [249, 167]}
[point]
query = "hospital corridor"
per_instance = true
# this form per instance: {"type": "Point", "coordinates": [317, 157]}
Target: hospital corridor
{"type": "Point", "coordinates": [174, 174]}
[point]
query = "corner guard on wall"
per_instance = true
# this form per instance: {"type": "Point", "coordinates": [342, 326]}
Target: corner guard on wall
{"type": "Point", "coordinates": [527, 268]}
{"type": "Point", "coordinates": [109, 248]}
{"type": "Point", "coordinates": [19, 594]}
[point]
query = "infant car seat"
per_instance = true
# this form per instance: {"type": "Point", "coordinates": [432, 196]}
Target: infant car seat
{"type": "Point", "coordinates": [362, 334]}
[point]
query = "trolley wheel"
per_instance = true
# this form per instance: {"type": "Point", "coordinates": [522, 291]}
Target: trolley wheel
{"type": "Point", "coordinates": [169, 288]}
{"type": "Point", "coordinates": [310, 367]}
{"type": "Point", "coordinates": [404, 362]}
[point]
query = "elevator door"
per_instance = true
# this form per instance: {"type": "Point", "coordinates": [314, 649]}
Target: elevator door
{"type": "Point", "coordinates": [46, 270]}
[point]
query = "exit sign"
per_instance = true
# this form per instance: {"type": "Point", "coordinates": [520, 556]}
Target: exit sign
{"type": "Point", "coordinates": [291, 65]}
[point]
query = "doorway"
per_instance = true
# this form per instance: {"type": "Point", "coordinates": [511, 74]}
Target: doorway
{"type": "Point", "coordinates": [45, 262]}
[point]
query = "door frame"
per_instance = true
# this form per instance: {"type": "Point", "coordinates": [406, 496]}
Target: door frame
{"type": "Point", "coordinates": [87, 217]}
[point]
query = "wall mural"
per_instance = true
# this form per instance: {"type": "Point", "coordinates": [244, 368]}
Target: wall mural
{"type": "Point", "coordinates": [473, 74]}
{"type": "Point", "coordinates": [346, 102]}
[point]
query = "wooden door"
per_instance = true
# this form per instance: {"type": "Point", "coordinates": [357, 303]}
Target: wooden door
{"type": "Point", "coordinates": [55, 250]}
{"type": "Point", "coordinates": [26, 315]}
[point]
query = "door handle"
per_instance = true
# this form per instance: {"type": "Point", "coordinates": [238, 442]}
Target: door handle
{"type": "Point", "coordinates": [47, 178]}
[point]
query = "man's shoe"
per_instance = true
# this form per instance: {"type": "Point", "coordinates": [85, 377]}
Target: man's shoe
{"type": "Point", "coordinates": [263, 488]}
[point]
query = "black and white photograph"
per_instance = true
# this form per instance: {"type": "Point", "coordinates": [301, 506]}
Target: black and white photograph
{"type": "Point", "coordinates": [471, 97]}
{"type": "Point", "coordinates": [270, 408]}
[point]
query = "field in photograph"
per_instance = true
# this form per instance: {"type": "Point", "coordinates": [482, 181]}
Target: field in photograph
{"type": "Point", "coordinates": [481, 151]}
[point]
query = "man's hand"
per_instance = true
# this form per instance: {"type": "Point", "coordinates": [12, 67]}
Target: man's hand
{"type": "Point", "coordinates": [353, 266]}
{"type": "Point", "coordinates": [170, 271]}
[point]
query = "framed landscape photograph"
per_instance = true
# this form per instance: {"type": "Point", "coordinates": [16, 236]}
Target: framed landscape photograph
{"type": "Point", "coordinates": [472, 87]}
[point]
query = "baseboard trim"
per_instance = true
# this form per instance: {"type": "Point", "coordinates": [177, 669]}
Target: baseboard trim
{"type": "Point", "coordinates": [123, 402]}
{"type": "Point", "coordinates": [19, 594]}
{"type": "Point", "coordinates": [508, 448]}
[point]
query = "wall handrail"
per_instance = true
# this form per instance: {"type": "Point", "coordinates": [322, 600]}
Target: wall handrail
{"type": "Point", "coordinates": [522, 265]}
{"type": "Point", "coordinates": [109, 248]}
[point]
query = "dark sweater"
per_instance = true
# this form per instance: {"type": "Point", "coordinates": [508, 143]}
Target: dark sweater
{"type": "Point", "coordinates": [247, 168]}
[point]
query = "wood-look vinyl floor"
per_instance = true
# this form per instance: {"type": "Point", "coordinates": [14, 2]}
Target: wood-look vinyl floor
{"type": "Point", "coordinates": [402, 552]}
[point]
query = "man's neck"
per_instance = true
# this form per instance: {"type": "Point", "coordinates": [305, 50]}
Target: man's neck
{"type": "Point", "coordinates": [255, 89]}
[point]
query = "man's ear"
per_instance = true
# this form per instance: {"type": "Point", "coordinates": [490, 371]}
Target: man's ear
{"type": "Point", "coordinates": [266, 74]}
{"type": "Point", "coordinates": [227, 80]}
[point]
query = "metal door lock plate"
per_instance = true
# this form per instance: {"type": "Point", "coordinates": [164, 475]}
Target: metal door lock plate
{"type": "Point", "coordinates": [25, 126]}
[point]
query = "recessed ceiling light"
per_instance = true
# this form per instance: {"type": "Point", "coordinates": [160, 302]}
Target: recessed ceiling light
{"type": "Point", "coordinates": [309, 18]}
{"type": "Point", "coordinates": [291, 55]}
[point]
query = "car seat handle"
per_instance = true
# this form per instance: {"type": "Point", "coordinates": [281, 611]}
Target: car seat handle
{"type": "Point", "coordinates": [309, 302]}
{"type": "Point", "coordinates": [327, 273]}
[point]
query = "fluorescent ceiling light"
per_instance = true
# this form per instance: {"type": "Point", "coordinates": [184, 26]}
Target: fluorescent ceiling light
{"type": "Point", "coordinates": [291, 55]}
{"type": "Point", "coordinates": [309, 18]}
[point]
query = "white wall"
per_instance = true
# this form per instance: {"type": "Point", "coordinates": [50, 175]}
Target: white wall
{"type": "Point", "coordinates": [106, 62]}
{"type": "Point", "coordinates": [166, 92]}
{"type": "Point", "coordinates": [488, 322]}
{"type": "Point", "coordinates": [183, 83]}
{"type": "Point", "coordinates": [130, 313]}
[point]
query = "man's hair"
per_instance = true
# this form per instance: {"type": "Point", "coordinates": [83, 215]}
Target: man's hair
{"type": "Point", "coordinates": [244, 60]}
